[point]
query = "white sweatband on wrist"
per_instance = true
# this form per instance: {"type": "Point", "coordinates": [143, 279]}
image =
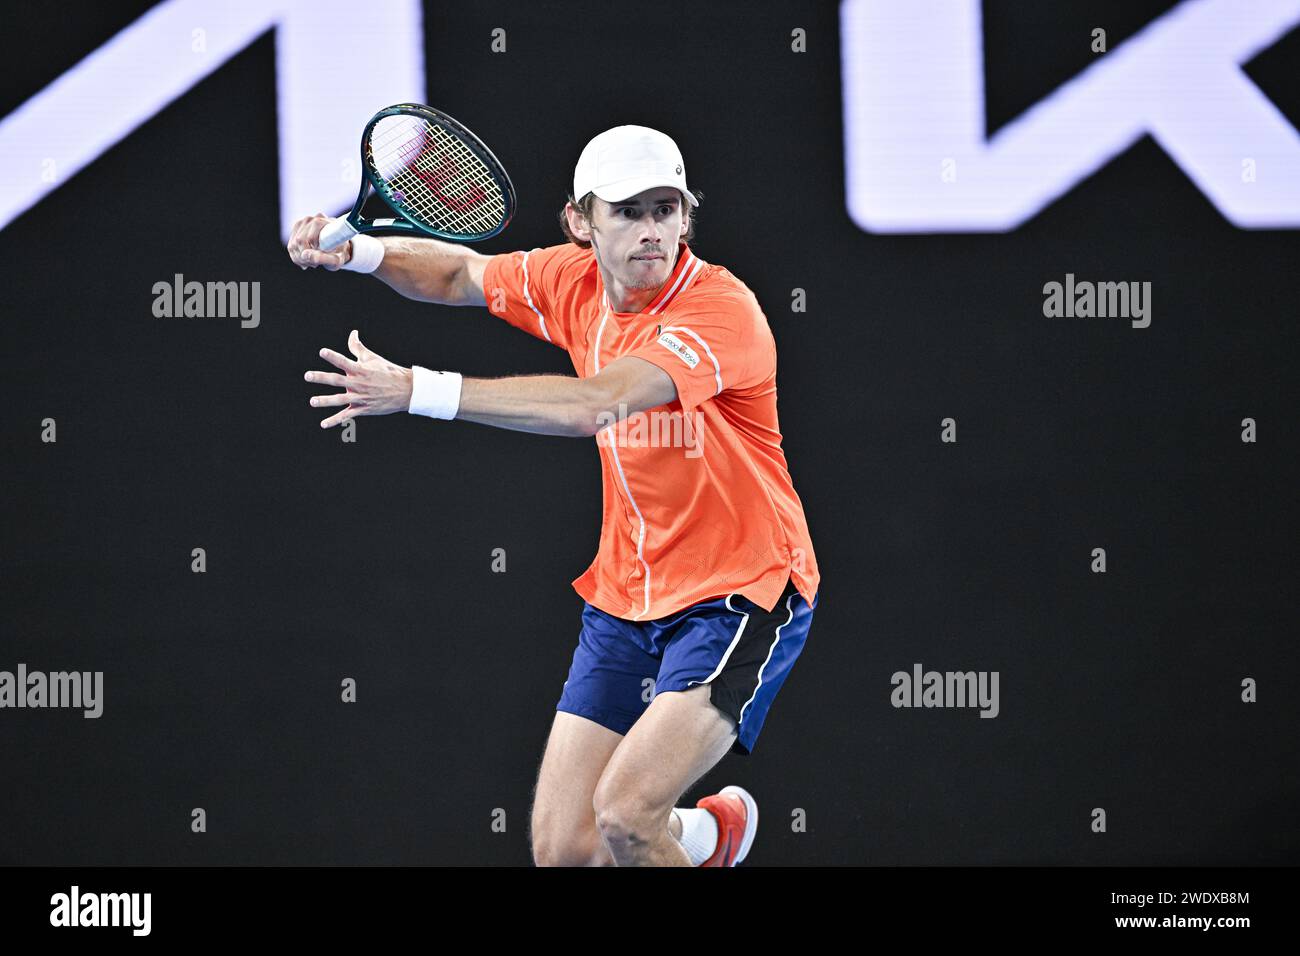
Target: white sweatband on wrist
{"type": "Point", "coordinates": [436, 394]}
{"type": "Point", "coordinates": [367, 253]}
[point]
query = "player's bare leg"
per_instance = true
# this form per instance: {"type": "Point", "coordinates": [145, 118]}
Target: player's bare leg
{"type": "Point", "coordinates": [678, 739]}
{"type": "Point", "coordinates": [563, 823]}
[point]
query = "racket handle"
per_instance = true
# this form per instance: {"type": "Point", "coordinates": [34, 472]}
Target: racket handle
{"type": "Point", "coordinates": [336, 233]}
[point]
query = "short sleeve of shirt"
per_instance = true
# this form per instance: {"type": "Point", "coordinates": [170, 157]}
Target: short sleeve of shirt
{"type": "Point", "coordinates": [711, 342]}
{"type": "Point", "coordinates": [525, 289]}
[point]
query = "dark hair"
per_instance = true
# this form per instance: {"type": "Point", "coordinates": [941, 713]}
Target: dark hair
{"type": "Point", "coordinates": [587, 204]}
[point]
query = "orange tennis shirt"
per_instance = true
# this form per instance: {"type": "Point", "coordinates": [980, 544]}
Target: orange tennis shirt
{"type": "Point", "coordinates": [698, 501]}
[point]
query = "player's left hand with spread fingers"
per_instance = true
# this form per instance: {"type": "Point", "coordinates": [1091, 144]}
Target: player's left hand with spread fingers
{"type": "Point", "coordinates": [371, 384]}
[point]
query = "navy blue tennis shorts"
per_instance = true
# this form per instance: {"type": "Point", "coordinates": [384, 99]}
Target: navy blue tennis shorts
{"type": "Point", "coordinates": [743, 652]}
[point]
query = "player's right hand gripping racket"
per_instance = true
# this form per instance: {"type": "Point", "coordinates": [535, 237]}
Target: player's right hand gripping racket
{"type": "Point", "coordinates": [438, 177]}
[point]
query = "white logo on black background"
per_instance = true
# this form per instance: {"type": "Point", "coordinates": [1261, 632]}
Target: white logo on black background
{"type": "Point", "coordinates": [75, 908]}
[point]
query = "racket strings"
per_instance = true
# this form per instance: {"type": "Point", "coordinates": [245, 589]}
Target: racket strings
{"type": "Point", "coordinates": [434, 176]}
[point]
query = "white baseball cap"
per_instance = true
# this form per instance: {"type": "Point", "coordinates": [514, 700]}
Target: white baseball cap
{"type": "Point", "coordinates": [626, 160]}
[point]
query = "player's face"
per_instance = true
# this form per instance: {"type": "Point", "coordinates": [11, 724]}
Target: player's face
{"type": "Point", "coordinates": [636, 239]}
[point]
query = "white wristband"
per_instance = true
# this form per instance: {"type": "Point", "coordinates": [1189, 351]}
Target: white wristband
{"type": "Point", "coordinates": [436, 394]}
{"type": "Point", "coordinates": [367, 253]}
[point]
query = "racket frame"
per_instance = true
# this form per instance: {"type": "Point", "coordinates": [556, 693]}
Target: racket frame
{"type": "Point", "coordinates": [402, 223]}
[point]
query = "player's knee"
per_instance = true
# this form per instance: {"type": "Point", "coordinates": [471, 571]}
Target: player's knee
{"type": "Point", "coordinates": [624, 819]}
{"type": "Point", "coordinates": [556, 845]}
{"type": "Point", "coordinates": [624, 830]}
{"type": "Point", "coordinates": [570, 849]}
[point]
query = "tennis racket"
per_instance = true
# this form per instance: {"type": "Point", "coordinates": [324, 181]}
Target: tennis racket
{"type": "Point", "coordinates": [436, 175]}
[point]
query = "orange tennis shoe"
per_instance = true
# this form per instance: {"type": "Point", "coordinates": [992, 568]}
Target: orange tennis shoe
{"type": "Point", "coordinates": [737, 816]}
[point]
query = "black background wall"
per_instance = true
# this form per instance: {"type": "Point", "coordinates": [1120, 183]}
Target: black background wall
{"type": "Point", "coordinates": [372, 560]}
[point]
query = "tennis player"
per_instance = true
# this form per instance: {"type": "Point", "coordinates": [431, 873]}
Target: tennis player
{"type": "Point", "coordinates": [703, 588]}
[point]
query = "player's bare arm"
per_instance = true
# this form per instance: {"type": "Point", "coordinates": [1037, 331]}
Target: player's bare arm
{"type": "Point", "coordinates": [562, 405]}
{"type": "Point", "coordinates": [541, 404]}
{"type": "Point", "coordinates": [424, 269]}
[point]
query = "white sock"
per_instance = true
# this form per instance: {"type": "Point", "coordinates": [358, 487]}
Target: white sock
{"type": "Point", "coordinates": [699, 833]}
